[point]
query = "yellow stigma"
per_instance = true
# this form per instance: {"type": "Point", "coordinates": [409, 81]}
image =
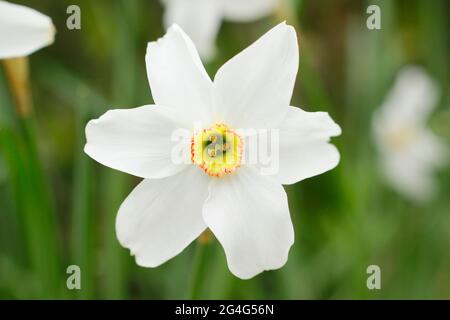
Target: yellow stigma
{"type": "Point", "coordinates": [217, 150]}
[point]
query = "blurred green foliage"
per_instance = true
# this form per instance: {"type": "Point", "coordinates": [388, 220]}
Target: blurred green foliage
{"type": "Point", "coordinates": [57, 206]}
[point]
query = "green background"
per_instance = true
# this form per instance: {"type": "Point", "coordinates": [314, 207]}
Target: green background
{"type": "Point", "coordinates": [58, 206]}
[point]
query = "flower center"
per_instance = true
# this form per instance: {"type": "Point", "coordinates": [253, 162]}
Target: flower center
{"type": "Point", "coordinates": [402, 138]}
{"type": "Point", "coordinates": [217, 150]}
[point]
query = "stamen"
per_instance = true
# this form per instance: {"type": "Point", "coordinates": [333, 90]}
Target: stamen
{"type": "Point", "coordinates": [211, 152]}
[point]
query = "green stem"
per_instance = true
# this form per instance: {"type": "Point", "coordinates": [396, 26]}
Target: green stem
{"type": "Point", "coordinates": [34, 197]}
{"type": "Point", "coordinates": [198, 271]}
{"type": "Point", "coordinates": [81, 231]}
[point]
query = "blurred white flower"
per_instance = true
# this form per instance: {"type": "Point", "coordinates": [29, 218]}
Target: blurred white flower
{"type": "Point", "coordinates": [201, 19]}
{"type": "Point", "coordinates": [23, 30]}
{"type": "Point", "coordinates": [175, 203]}
{"type": "Point", "coordinates": [409, 151]}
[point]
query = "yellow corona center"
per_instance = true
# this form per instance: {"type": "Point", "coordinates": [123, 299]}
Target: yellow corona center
{"type": "Point", "coordinates": [217, 150]}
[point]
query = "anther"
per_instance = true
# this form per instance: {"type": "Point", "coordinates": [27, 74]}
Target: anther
{"type": "Point", "coordinates": [212, 153]}
{"type": "Point", "coordinates": [213, 138]}
{"type": "Point", "coordinates": [225, 147]}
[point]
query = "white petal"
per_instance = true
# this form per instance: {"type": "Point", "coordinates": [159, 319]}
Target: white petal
{"type": "Point", "coordinates": [407, 178]}
{"type": "Point", "coordinates": [200, 19]}
{"type": "Point", "coordinates": [409, 170]}
{"type": "Point", "coordinates": [23, 30]}
{"type": "Point", "coordinates": [177, 77]}
{"type": "Point", "coordinates": [136, 141]}
{"type": "Point", "coordinates": [247, 10]}
{"type": "Point", "coordinates": [410, 101]}
{"type": "Point", "coordinates": [305, 150]}
{"type": "Point", "coordinates": [253, 90]}
{"type": "Point", "coordinates": [249, 215]}
{"type": "Point", "coordinates": [162, 217]}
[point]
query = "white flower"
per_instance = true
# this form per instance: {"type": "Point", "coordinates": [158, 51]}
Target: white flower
{"type": "Point", "coordinates": [409, 151]}
{"type": "Point", "coordinates": [201, 19]}
{"type": "Point", "coordinates": [246, 211]}
{"type": "Point", "coordinates": [23, 30]}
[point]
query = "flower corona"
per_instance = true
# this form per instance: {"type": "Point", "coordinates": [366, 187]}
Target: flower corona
{"type": "Point", "coordinates": [217, 150]}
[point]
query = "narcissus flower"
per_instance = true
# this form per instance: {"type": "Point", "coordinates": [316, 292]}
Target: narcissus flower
{"type": "Point", "coordinates": [216, 188]}
{"type": "Point", "coordinates": [23, 30]}
{"type": "Point", "coordinates": [201, 19]}
{"type": "Point", "coordinates": [409, 151]}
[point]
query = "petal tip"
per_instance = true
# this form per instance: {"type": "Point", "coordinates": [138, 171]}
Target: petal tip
{"type": "Point", "coordinates": [269, 267]}
{"type": "Point", "coordinates": [52, 33]}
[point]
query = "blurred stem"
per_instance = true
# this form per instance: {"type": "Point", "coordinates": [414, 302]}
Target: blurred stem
{"type": "Point", "coordinates": [17, 73]}
{"type": "Point", "coordinates": [33, 194]}
{"type": "Point", "coordinates": [199, 268]}
{"type": "Point", "coordinates": [433, 30]}
{"type": "Point", "coordinates": [115, 192]}
{"type": "Point", "coordinates": [81, 233]}
{"type": "Point", "coordinates": [287, 10]}
{"type": "Point", "coordinates": [116, 188]}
